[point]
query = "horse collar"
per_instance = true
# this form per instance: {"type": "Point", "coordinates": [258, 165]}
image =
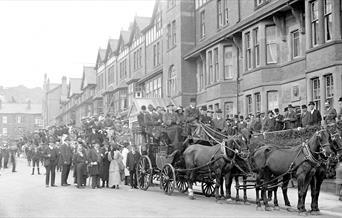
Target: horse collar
{"type": "Point", "coordinates": [308, 156]}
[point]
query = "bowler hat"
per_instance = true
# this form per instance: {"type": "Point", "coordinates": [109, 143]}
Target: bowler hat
{"type": "Point", "coordinates": [311, 103]}
{"type": "Point", "coordinates": [143, 107]}
{"type": "Point", "coordinates": [276, 110]}
{"type": "Point", "coordinates": [290, 106]}
{"type": "Point", "coordinates": [340, 99]}
{"type": "Point", "coordinates": [304, 106]}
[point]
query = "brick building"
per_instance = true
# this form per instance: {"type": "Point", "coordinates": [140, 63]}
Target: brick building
{"type": "Point", "coordinates": [242, 56]}
{"type": "Point", "coordinates": [17, 119]}
{"type": "Point", "coordinates": [268, 54]}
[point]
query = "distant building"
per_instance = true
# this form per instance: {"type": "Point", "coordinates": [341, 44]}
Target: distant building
{"type": "Point", "coordinates": [54, 95]}
{"type": "Point", "coordinates": [17, 119]}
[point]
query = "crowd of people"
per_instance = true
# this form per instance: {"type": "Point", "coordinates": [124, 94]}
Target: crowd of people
{"type": "Point", "coordinates": [150, 118]}
{"type": "Point", "coordinates": [94, 151]}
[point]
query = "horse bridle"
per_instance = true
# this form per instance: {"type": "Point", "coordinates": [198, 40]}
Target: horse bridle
{"type": "Point", "coordinates": [320, 153]}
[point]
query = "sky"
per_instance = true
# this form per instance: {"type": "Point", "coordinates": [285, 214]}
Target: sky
{"type": "Point", "coordinates": [58, 37]}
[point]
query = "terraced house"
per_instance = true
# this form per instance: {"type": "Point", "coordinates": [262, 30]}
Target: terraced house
{"type": "Point", "coordinates": [256, 57]}
{"type": "Point", "coordinates": [242, 56]}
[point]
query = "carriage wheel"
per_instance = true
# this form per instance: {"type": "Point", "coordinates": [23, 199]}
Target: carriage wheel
{"type": "Point", "coordinates": [182, 186]}
{"type": "Point", "coordinates": [168, 179]}
{"type": "Point", "coordinates": [144, 173]}
{"type": "Point", "coordinates": [208, 188]}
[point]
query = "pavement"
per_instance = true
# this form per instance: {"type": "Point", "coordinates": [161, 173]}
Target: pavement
{"type": "Point", "coordinates": [24, 195]}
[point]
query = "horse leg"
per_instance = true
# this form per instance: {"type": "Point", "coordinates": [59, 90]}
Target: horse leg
{"type": "Point", "coordinates": [286, 180]}
{"type": "Point", "coordinates": [244, 189]}
{"type": "Point", "coordinates": [237, 186]}
{"type": "Point", "coordinates": [221, 187]}
{"type": "Point", "coordinates": [218, 184]}
{"type": "Point", "coordinates": [275, 199]}
{"type": "Point", "coordinates": [257, 191]}
{"type": "Point", "coordinates": [300, 182]}
{"type": "Point", "coordinates": [190, 176]}
{"type": "Point", "coordinates": [229, 181]}
{"type": "Point", "coordinates": [315, 184]}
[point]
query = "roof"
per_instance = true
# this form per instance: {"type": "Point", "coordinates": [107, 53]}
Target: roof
{"type": "Point", "coordinates": [20, 109]}
{"type": "Point", "coordinates": [138, 102]}
{"type": "Point", "coordinates": [102, 53]}
{"type": "Point", "coordinates": [142, 22]}
{"type": "Point", "coordinates": [113, 44]}
{"type": "Point", "coordinates": [74, 86]}
{"type": "Point", "coordinates": [125, 35]}
{"type": "Point", "coordinates": [89, 77]}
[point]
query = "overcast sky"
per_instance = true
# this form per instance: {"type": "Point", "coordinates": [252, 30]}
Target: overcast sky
{"type": "Point", "coordinates": [58, 37]}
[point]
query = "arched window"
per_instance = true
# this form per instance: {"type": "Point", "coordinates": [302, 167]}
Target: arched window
{"type": "Point", "coordinates": [172, 81]}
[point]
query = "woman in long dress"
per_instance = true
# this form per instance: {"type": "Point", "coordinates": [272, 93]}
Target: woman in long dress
{"type": "Point", "coordinates": [114, 170]}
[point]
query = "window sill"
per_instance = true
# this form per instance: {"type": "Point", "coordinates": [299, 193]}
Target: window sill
{"type": "Point", "coordinates": [327, 44]}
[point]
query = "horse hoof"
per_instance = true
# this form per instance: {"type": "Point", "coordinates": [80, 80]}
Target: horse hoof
{"type": "Point", "coordinates": [268, 209]}
{"type": "Point", "coordinates": [259, 208]}
{"type": "Point", "coordinates": [276, 208]}
{"type": "Point", "coordinates": [238, 202]}
{"type": "Point", "coordinates": [290, 209]}
{"type": "Point", "coordinates": [229, 200]}
{"type": "Point", "coordinates": [218, 201]}
{"type": "Point", "coordinates": [246, 203]}
{"type": "Point", "coordinates": [302, 213]}
{"type": "Point", "coordinates": [315, 213]}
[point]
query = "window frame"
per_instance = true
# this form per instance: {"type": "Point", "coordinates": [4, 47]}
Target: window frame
{"type": "Point", "coordinates": [329, 87]}
{"type": "Point", "coordinates": [316, 91]}
{"type": "Point", "coordinates": [257, 97]}
{"type": "Point", "coordinates": [314, 21]}
{"type": "Point", "coordinates": [202, 24]}
{"type": "Point", "coordinates": [293, 38]}
{"type": "Point", "coordinates": [248, 50]}
{"type": "Point", "coordinates": [269, 42]}
{"type": "Point", "coordinates": [256, 47]}
{"type": "Point", "coordinates": [327, 18]}
{"type": "Point", "coordinates": [227, 64]}
{"type": "Point", "coordinates": [220, 15]}
{"type": "Point", "coordinates": [249, 104]}
{"type": "Point", "coordinates": [172, 81]}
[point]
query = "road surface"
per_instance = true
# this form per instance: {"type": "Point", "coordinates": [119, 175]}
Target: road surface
{"type": "Point", "coordinates": [24, 195]}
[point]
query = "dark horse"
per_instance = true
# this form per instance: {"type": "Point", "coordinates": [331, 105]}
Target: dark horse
{"type": "Point", "coordinates": [320, 174]}
{"type": "Point", "coordinates": [302, 161]}
{"type": "Point", "coordinates": [211, 161]}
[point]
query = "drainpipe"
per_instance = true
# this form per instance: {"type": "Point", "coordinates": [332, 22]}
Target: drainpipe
{"type": "Point", "coordinates": [237, 78]}
{"type": "Point", "coordinates": [239, 11]}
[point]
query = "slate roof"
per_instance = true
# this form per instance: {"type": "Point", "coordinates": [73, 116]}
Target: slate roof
{"type": "Point", "coordinates": [113, 43]}
{"type": "Point", "coordinates": [20, 108]}
{"type": "Point", "coordinates": [142, 22]}
{"type": "Point", "coordinates": [74, 86]}
{"type": "Point", "coordinates": [89, 75]}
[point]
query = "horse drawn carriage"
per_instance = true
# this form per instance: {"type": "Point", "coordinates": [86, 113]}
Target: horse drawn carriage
{"type": "Point", "coordinates": [160, 163]}
{"type": "Point", "coordinates": [297, 150]}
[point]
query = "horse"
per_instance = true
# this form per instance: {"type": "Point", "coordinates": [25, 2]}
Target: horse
{"type": "Point", "coordinates": [317, 179]}
{"type": "Point", "coordinates": [320, 174]}
{"type": "Point", "coordinates": [240, 169]}
{"type": "Point", "coordinates": [200, 159]}
{"type": "Point", "coordinates": [302, 161]}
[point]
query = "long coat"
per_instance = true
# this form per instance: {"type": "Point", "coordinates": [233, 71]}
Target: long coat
{"type": "Point", "coordinates": [114, 169]}
{"type": "Point", "coordinates": [80, 161]}
{"type": "Point", "coordinates": [50, 156]}
{"type": "Point", "coordinates": [94, 158]}
{"type": "Point", "coordinates": [66, 154]}
{"type": "Point", "coordinates": [132, 160]}
{"type": "Point", "coordinates": [104, 165]}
